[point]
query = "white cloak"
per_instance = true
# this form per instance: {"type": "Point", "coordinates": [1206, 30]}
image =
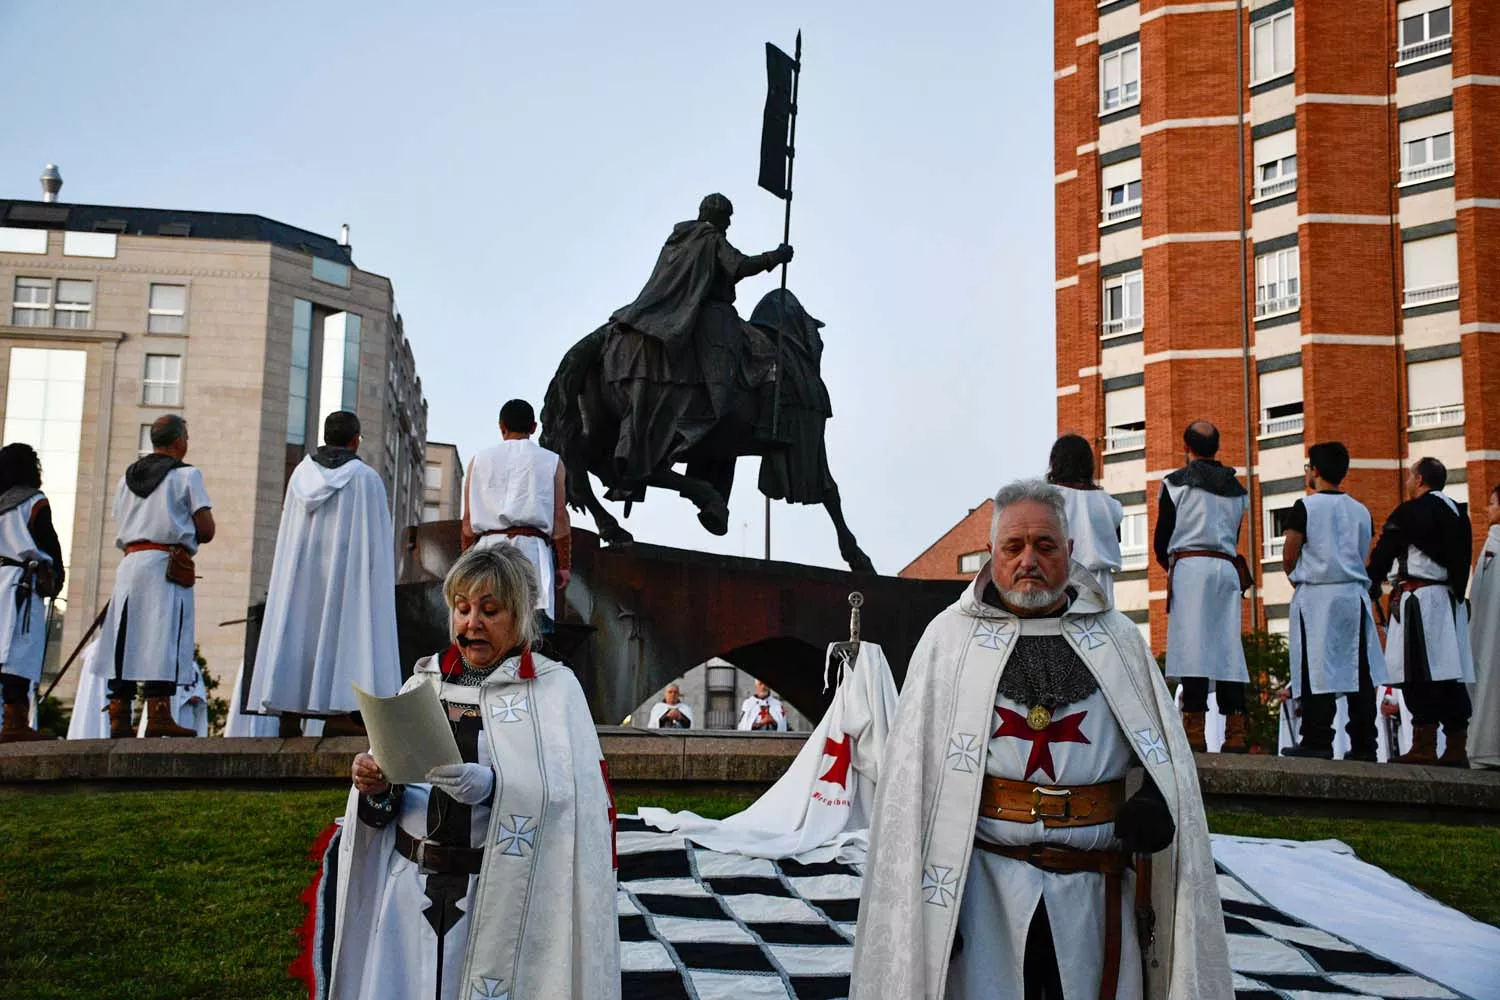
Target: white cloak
{"type": "Point", "coordinates": [155, 614]}
{"type": "Point", "coordinates": [1484, 637]}
{"type": "Point", "coordinates": [661, 708]}
{"type": "Point", "coordinates": [540, 915]}
{"type": "Point", "coordinates": [23, 627]}
{"type": "Point", "coordinates": [330, 618]}
{"type": "Point", "coordinates": [820, 809]}
{"type": "Point", "coordinates": [750, 711]}
{"type": "Point", "coordinates": [238, 724]}
{"type": "Point", "coordinates": [927, 802]}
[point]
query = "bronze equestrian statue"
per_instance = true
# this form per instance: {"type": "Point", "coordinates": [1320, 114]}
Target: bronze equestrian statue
{"type": "Point", "coordinates": [677, 377]}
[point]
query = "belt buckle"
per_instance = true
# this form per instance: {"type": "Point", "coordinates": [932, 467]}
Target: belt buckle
{"type": "Point", "coordinates": [422, 859]}
{"type": "Point", "coordinates": [1041, 793]}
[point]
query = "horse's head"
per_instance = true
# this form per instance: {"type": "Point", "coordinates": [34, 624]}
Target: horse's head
{"type": "Point", "coordinates": [779, 309]}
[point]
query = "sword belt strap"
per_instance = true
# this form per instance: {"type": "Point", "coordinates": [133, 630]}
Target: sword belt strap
{"type": "Point", "coordinates": [1056, 806]}
{"type": "Point", "coordinates": [438, 859]}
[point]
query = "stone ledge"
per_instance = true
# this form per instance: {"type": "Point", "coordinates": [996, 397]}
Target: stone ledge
{"type": "Point", "coordinates": [718, 759]}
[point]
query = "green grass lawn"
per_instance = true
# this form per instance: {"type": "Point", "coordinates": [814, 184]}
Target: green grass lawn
{"type": "Point", "coordinates": [179, 894]}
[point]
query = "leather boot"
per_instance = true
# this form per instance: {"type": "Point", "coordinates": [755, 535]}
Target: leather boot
{"type": "Point", "coordinates": [159, 719]}
{"type": "Point", "coordinates": [16, 727]}
{"type": "Point", "coordinates": [1234, 734]}
{"type": "Point", "coordinates": [1456, 753]}
{"type": "Point", "coordinates": [1193, 723]}
{"type": "Point", "coordinates": [119, 719]}
{"type": "Point", "coordinates": [1423, 746]}
{"type": "Point", "coordinates": [289, 725]}
{"type": "Point", "coordinates": [343, 725]}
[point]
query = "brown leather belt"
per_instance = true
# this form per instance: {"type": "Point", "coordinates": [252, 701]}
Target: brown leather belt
{"type": "Point", "coordinates": [131, 547]}
{"type": "Point", "coordinates": [1058, 806]}
{"type": "Point", "coordinates": [1110, 864]}
{"type": "Point", "coordinates": [1409, 586]}
{"type": "Point", "coordinates": [437, 859]}
{"type": "Point", "coordinates": [520, 531]}
{"type": "Point", "coordinates": [1241, 568]}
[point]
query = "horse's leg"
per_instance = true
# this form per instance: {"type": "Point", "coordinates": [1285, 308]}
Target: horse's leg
{"type": "Point", "coordinates": [610, 532]}
{"type": "Point", "coordinates": [713, 511]}
{"type": "Point", "coordinates": [848, 546]}
{"type": "Point", "coordinates": [717, 473]}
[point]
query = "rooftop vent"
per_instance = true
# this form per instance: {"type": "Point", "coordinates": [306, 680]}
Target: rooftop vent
{"type": "Point", "coordinates": [110, 226]}
{"type": "Point", "coordinates": [174, 229]}
{"type": "Point", "coordinates": [51, 182]}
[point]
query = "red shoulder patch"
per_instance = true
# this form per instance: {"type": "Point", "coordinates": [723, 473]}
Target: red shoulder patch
{"type": "Point", "coordinates": [528, 666]}
{"type": "Point", "coordinates": [451, 662]}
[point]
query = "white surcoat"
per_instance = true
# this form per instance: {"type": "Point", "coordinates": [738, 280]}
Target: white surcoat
{"type": "Point", "coordinates": [1203, 622]}
{"type": "Point", "coordinates": [1331, 605]}
{"type": "Point", "coordinates": [1094, 519]}
{"type": "Point", "coordinates": [1484, 636]}
{"type": "Point", "coordinates": [23, 627]}
{"type": "Point", "coordinates": [751, 708]}
{"type": "Point", "coordinates": [1445, 622]}
{"type": "Point", "coordinates": [154, 614]}
{"type": "Point", "coordinates": [513, 484]}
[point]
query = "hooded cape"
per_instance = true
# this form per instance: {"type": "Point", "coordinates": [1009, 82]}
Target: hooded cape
{"type": "Point", "coordinates": [145, 474]}
{"type": "Point", "coordinates": [1484, 637]}
{"type": "Point", "coordinates": [693, 256]}
{"type": "Point", "coordinates": [926, 804]}
{"type": "Point", "coordinates": [330, 618]}
{"type": "Point", "coordinates": [1207, 474]}
{"type": "Point", "coordinates": [543, 918]}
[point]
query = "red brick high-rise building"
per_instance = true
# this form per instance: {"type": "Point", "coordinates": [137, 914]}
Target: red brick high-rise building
{"type": "Point", "coordinates": [1282, 216]}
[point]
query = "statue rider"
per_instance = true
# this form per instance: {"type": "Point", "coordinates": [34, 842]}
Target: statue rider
{"type": "Point", "coordinates": [679, 351]}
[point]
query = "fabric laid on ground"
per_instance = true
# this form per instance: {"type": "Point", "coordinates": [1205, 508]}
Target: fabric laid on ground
{"type": "Point", "coordinates": [696, 923]}
{"type": "Point", "coordinates": [819, 810]}
{"type": "Point", "coordinates": [1323, 883]}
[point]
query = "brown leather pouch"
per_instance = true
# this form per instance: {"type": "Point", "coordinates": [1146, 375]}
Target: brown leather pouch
{"type": "Point", "coordinates": [180, 568]}
{"type": "Point", "coordinates": [1247, 579]}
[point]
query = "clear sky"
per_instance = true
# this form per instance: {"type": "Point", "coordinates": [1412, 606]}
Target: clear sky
{"type": "Point", "coordinates": [514, 167]}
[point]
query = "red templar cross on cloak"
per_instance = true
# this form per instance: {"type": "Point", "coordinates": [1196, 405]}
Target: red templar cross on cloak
{"type": "Point", "coordinates": [1064, 730]}
{"type": "Point", "coordinates": [838, 771]}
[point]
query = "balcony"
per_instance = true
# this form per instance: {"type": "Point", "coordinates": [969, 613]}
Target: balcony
{"type": "Point", "coordinates": [1426, 172]}
{"type": "Point", "coordinates": [1124, 325]}
{"type": "Point", "coordinates": [1277, 426]}
{"type": "Point", "coordinates": [1284, 303]}
{"type": "Point", "coordinates": [1274, 188]}
{"type": "Point", "coordinates": [1123, 440]}
{"type": "Point", "coordinates": [1119, 213]}
{"type": "Point", "coordinates": [1424, 50]}
{"type": "Point", "coordinates": [1435, 416]}
{"type": "Point", "coordinates": [1430, 293]}
{"type": "Point", "coordinates": [1133, 558]}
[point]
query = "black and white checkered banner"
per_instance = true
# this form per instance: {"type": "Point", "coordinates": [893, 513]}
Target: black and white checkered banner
{"type": "Point", "coordinates": [701, 925]}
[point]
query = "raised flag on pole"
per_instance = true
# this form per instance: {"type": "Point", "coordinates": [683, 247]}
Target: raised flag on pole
{"type": "Point", "coordinates": [776, 126]}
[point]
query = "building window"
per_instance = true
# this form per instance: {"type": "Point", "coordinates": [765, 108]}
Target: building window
{"type": "Point", "coordinates": [1125, 419]}
{"type": "Point", "coordinates": [1273, 49]}
{"type": "Point", "coordinates": [163, 380]}
{"type": "Point", "coordinates": [44, 408]}
{"type": "Point", "coordinates": [1275, 532]}
{"type": "Point", "coordinates": [299, 374]}
{"type": "Point", "coordinates": [1281, 403]}
{"type": "Point", "coordinates": [1427, 148]}
{"type": "Point", "coordinates": [433, 477]}
{"type": "Point", "coordinates": [1276, 165]}
{"type": "Point", "coordinates": [430, 513]}
{"type": "Point", "coordinates": [972, 562]}
{"type": "Point", "coordinates": [1430, 270]}
{"type": "Point", "coordinates": [143, 446]}
{"type": "Point", "coordinates": [75, 304]}
{"type": "Point", "coordinates": [1120, 79]}
{"type": "Point", "coordinates": [1123, 304]}
{"type": "Point", "coordinates": [1278, 282]}
{"type": "Point", "coordinates": [32, 302]}
{"type": "Point", "coordinates": [166, 312]}
{"type": "Point", "coordinates": [339, 382]}
{"type": "Point", "coordinates": [1122, 191]}
{"type": "Point", "coordinates": [1134, 542]}
{"type": "Point", "coordinates": [1426, 34]}
{"type": "Point", "coordinates": [1435, 393]}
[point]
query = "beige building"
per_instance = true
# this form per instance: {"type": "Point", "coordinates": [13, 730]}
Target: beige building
{"type": "Point", "coordinates": [252, 329]}
{"type": "Point", "coordinates": [443, 487]}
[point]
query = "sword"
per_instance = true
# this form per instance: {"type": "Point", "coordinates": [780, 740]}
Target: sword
{"type": "Point", "coordinates": [98, 620]}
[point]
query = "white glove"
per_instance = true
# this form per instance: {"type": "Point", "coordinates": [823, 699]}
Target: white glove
{"type": "Point", "coordinates": [467, 783]}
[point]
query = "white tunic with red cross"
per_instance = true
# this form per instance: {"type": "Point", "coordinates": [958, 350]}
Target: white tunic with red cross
{"type": "Point", "coordinates": [1082, 745]}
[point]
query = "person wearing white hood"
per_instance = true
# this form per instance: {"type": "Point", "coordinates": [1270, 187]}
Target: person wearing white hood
{"type": "Point", "coordinates": [1094, 517]}
{"type": "Point", "coordinates": [1484, 637]}
{"type": "Point", "coordinates": [330, 616]}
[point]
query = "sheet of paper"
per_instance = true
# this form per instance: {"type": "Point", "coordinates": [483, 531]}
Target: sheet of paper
{"type": "Point", "coordinates": [409, 733]}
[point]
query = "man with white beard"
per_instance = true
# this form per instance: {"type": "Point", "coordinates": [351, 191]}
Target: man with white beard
{"type": "Point", "coordinates": [671, 712]}
{"type": "Point", "coordinates": [762, 711]}
{"type": "Point", "coordinates": [1484, 636]}
{"type": "Point", "coordinates": [1425, 547]}
{"type": "Point", "coordinates": [1006, 859]}
{"type": "Point", "coordinates": [1196, 541]}
{"type": "Point", "coordinates": [330, 619]}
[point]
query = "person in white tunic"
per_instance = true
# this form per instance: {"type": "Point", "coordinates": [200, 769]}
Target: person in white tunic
{"type": "Point", "coordinates": [1094, 517]}
{"type": "Point", "coordinates": [1198, 518]}
{"type": "Point", "coordinates": [330, 616]}
{"type": "Point", "coordinates": [762, 711]}
{"type": "Point", "coordinates": [1425, 548]}
{"type": "Point", "coordinates": [162, 514]}
{"type": "Point", "coordinates": [671, 712]}
{"type": "Point", "coordinates": [1007, 859]}
{"type": "Point", "coordinates": [495, 877]}
{"type": "Point", "coordinates": [516, 494]}
{"type": "Point", "coordinates": [1484, 637]}
{"type": "Point", "coordinates": [31, 572]}
{"type": "Point", "coordinates": [1334, 645]}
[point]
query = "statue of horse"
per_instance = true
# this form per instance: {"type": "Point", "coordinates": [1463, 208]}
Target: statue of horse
{"type": "Point", "coordinates": [583, 411]}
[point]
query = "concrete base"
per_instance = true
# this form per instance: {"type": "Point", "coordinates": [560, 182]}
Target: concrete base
{"type": "Point", "coordinates": [724, 762]}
